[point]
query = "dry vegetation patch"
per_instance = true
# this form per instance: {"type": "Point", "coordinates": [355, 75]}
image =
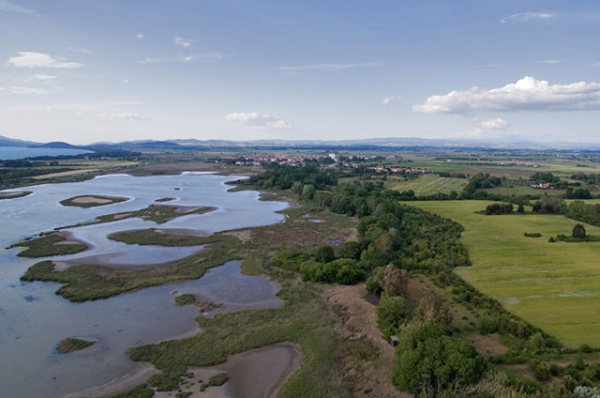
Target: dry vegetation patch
{"type": "Point", "coordinates": [359, 320]}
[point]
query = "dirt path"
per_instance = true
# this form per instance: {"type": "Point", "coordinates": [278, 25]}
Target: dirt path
{"type": "Point", "coordinates": [359, 320]}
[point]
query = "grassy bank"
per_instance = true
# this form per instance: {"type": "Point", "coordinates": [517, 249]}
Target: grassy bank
{"type": "Point", "coordinates": [151, 237]}
{"type": "Point", "coordinates": [71, 344]}
{"type": "Point", "coordinates": [552, 285]}
{"type": "Point", "coordinates": [49, 245]}
{"type": "Point", "coordinates": [160, 214]}
{"type": "Point", "coordinates": [93, 282]}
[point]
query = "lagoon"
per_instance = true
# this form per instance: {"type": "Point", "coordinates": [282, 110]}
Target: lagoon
{"type": "Point", "coordinates": [12, 153]}
{"type": "Point", "coordinates": [35, 320]}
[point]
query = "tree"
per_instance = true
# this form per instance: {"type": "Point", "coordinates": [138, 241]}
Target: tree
{"type": "Point", "coordinates": [433, 310]}
{"type": "Point", "coordinates": [430, 364]}
{"type": "Point", "coordinates": [393, 280]}
{"type": "Point", "coordinates": [579, 231]}
{"type": "Point", "coordinates": [392, 311]}
{"type": "Point", "coordinates": [325, 254]}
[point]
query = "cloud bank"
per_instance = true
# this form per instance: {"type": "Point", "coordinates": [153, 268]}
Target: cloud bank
{"type": "Point", "coordinates": [121, 116]}
{"type": "Point", "coordinates": [27, 59]}
{"type": "Point", "coordinates": [257, 120]}
{"type": "Point", "coordinates": [322, 68]}
{"type": "Point", "coordinates": [494, 124]}
{"type": "Point", "coordinates": [526, 94]}
{"type": "Point", "coordinates": [22, 90]}
{"type": "Point", "coordinates": [7, 6]}
{"type": "Point", "coordinates": [527, 16]}
{"type": "Point", "coordinates": [181, 42]}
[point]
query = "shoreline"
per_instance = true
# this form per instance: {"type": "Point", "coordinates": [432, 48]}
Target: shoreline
{"type": "Point", "coordinates": [257, 373]}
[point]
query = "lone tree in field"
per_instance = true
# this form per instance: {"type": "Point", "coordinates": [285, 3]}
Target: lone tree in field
{"type": "Point", "coordinates": [579, 231]}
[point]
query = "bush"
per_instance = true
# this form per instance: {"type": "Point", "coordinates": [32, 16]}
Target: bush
{"type": "Point", "coordinates": [185, 299]}
{"type": "Point", "coordinates": [532, 235]}
{"type": "Point", "coordinates": [578, 231]}
{"type": "Point", "coordinates": [541, 370]}
{"type": "Point", "coordinates": [487, 325]}
{"type": "Point", "coordinates": [586, 392]}
{"type": "Point", "coordinates": [218, 380]}
{"type": "Point", "coordinates": [372, 286]}
{"type": "Point", "coordinates": [343, 271]}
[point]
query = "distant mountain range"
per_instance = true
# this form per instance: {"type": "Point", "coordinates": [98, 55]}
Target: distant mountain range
{"type": "Point", "coordinates": [371, 143]}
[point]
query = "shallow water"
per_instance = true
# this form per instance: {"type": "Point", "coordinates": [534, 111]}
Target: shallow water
{"type": "Point", "coordinates": [33, 320]}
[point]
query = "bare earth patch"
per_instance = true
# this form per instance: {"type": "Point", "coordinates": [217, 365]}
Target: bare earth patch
{"type": "Point", "coordinates": [243, 236]}
{"type": "Point", "coordinates": [487, 346]}
{"type": "Point", "coordinates": [253, 374]}
{"type": "Point", "coordinates": [91, 199]}
{"type": "Point", "coordinates": [65, 174]}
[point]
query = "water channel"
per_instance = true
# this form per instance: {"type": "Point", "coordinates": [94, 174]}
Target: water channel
{"type": "Point", "coordinates": [33, 320]}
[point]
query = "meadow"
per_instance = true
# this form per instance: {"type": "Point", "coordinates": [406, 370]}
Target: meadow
{"type": "Point", "coordinates": [428, 184]}
{"type": "Point", "coordinates": [555, 286]}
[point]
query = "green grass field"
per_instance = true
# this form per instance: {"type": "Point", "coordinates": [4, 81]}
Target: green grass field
{"type": "Point", "coordinates": [555, 286]}
{"type": "Point", "coordinates": [428, 184]}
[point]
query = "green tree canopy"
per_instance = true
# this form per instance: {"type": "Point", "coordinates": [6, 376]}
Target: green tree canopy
{"type": "Point", "coordinates": [429, 363]}
{"type": "Point", "coordinates": [392, 311]}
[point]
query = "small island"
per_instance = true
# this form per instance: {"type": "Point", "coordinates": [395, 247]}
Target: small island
{"type": "Point", "coordinates": [72, 344]}
{"type": "Point", "coordinates": [87, 201]}
{"type": "Point", "coordinates": [53, 244]}
{"type": "Point", "coordinates": [13, 194]}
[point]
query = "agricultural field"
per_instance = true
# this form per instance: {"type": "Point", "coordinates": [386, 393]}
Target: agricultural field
{"type": "Point", "coordinates": [555, 286]}
{"type": "Point", "coordinates": [427, 184]}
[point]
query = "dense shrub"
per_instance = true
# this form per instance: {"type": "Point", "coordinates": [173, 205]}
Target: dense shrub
{"type": "Point", "coordinates": [290, 259]}
{"type": "Point", "coordinates": [499, 208]}
{"type": "Point", "coordinates": [343, 270]}
{"type": "Point", "coordinates": [578, 231]}
{"type": "Point", "coordinates": [430, 362]}
{"type": "Point", "coordinates": [392, 311]}
{"type": "Point", "coordinates": [586, 392]}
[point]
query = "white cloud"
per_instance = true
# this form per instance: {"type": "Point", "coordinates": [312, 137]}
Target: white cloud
{"type": "Point", "coordinates": [182, 42]}
{"type": "Point", "coordinates": [139, 36]}
{"type": "Point", "coordinates": [527, 16]}
{"type": "Point", "coordinates": [80, 50]}
{"type": "Point", "coordinates": [494, 124]}
{"type": "Point", "coordinates": [27, 59]}
{"type": "Point", "coordinates": [325, 67]}
{"type": "Point", "coordinates": [526, 94]}
{"type": "Point", "coordinates": [391, 99]}
{"type": "Point", "coordinates": [36, 78]}
{"type": "Point", "coordinates": [257, 120]}
{"type": "Point", "coordinates": [22, 90]}
{"type": "Point", "coordinates": [43, 77]}
{"type": "Point", "coordinates": [550, 61]}
{"type": "Point", "coordinates": [149, 60]}
{"type": "Point", "coordinates": [122, 116]}
{"type": "Point", "coordinates": [7, 6]}
{"type": "Point", "coordinates": [203, 56]}
{"type": "Point", "coordinates": [181, 58]}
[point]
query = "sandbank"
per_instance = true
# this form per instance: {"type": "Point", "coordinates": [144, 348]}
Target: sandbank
{"type": "Point", "coordinates": [257, 373]}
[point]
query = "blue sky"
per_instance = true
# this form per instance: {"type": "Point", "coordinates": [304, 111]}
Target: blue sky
{"type": "Point", "coordinates": [91, 71]}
